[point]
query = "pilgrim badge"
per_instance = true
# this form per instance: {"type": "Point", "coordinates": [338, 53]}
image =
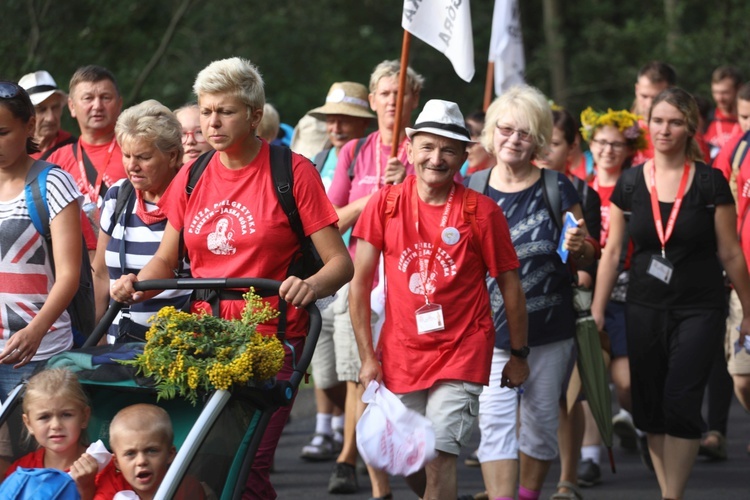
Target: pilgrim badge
{"type": "Point", "coordinates": [450, 235]}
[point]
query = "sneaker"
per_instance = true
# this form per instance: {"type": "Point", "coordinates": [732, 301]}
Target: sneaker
{"type": "Point", "coordinates": [622, 426]}
{"type": "Point", "coordinates": [645, 454]}
{"type": "Point", "coordinates": [589, 473]}
{"type": "Point", "coordinates": [713, 446]}
{"type": "Point", "coordinates": [472, 460]}
{"type": "Point", "coordinates": [343, 479]}
{"type": "Point", "coordinates": [320, 449]}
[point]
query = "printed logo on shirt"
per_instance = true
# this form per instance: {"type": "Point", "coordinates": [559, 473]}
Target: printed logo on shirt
{"type": "Point", "coordinates": [413, 262]}
{"type": "Point", "coordinates": [224, 222]}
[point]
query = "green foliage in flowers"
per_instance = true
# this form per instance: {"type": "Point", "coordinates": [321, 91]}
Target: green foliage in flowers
{"type": "Point", "coordinates": [187, 354]}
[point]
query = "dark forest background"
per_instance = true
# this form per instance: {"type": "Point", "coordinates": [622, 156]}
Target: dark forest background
{"type": "Point", "coordinates": [580, 52]}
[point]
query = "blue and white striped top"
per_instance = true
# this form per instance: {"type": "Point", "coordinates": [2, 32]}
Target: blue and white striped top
{"type": "Point", "coordinates": [141, 242]}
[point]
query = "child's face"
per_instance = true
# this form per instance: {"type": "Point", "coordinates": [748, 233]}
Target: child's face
{"type": "Point", "coordinates": [143, 458]}
{"type": "Point", "coordinates": [56, 423]}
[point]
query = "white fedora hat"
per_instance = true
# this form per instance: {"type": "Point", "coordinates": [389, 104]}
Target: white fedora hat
{"type": "Point", "coordinates": [441, 118]}
{"type": "Point", "coordinates": [39, 85]}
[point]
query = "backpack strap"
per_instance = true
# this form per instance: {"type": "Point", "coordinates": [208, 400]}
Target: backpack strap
{"type": "Point", "coordinates": [319, 160]}
{"type": "Point", "coordinates": [283, 179]}
{"type": "Point", "coordinates": [196, 170]}
{"type": "Point", "coordinates": [551, 195]}
{"type": "Point", "coordinates": [391, 202]}
{"type": "Point", "coordinates": [478, 181]}
{"type": "Point", "coordinates": [35, 192]}
{"type": "Point", "coordinates": [471, 201]}
{"type": "Point", "coordinates": [706, 185]}
{"type": "Point", "coordinates": [353, 163]}
{"type": "Point", "coordinates": [628, 178]}
{"type": "Point", "coordinates": [69, 140]}
{"type": "Point", "coordinates": [740, 151]}
{"type": "Point", "coordinates": [124, 195]}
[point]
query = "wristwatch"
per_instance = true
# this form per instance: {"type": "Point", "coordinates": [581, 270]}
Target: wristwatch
{"type": "Point", "coordinates": [522, 353]}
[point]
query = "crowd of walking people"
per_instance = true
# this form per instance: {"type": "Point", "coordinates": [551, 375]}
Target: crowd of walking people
{"type": "Point", "coordinates": [445, 252]}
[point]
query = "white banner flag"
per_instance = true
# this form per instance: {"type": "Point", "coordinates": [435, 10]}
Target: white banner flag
{"type": "Point", "coordinates": [446, 26]}
{"type": "Point", "coordinates": [506, 45]}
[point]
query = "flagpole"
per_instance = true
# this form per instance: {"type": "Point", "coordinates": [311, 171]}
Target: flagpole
{"type": "Point", "coordinates": [488, 84]}
{"type": "Point", "coordinates": [400, 97]}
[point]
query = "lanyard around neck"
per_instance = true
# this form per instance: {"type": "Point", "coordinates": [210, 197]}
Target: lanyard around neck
{"type": "Point", "coordinates": [438, 237]}
{"type": "Point", "coordinates": [665, 233]}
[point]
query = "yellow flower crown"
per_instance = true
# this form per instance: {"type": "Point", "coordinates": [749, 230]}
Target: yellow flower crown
{"type": "Point", "coordinates": [623, 120]}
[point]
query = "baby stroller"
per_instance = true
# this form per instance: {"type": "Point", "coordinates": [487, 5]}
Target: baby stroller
{"type": "Point", "coordinates": [216, 439]}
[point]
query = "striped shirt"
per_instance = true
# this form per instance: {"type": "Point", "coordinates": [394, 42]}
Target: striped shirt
{"type": "Point", "coordinates": [26, 275]}
{"type": "Point", "coordinates": [140, 244]}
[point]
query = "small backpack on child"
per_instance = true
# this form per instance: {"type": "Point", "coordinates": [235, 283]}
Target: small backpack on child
{"type": "Point", "coordinates": [33, 484]}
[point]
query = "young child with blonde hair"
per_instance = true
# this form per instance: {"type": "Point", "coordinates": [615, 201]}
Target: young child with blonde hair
{"type": "Point", "coordinates": [56, 413]}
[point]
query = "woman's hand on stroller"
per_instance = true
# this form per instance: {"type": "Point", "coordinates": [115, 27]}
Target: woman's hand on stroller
{"type": "Point", "coordinates": [297, 292]}
{"type": "Point", "coordinates": [21, 346]}
{"type": "Point", "coordinates": [122, 290]}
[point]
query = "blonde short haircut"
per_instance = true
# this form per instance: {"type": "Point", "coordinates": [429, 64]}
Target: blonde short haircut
{"type": "Point", "coordinates": [268, 128]}
{"type": "Point", "coordinates": [526, 105]}
{"type": "Point", "coordinates": [142, 418]}
{"type": "Point", "coordinates": [392, 68]}
{"type": "Point", "coordinates": [152, 122]}
{"type": "Point", "coordinates": [236, 76]}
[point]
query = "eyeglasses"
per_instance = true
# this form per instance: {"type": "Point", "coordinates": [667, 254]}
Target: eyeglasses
{"type": "Point", "coordinates": [197, 136]}
{"type": "Point", "coordinates": [9, 90]}
{"type": "Point", "coordinates": [617, 145]}
{"type": "Point", "coordinates": [506, 131]}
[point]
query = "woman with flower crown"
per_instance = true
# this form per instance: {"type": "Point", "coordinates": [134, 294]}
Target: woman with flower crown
{"type": "Point", "coordinates": [614, 138]}
{"type": "Point", "coordinates": [682, 222]}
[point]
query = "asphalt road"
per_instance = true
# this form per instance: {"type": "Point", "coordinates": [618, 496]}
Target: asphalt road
{"type": "Point", "coordinates": [295, 478]}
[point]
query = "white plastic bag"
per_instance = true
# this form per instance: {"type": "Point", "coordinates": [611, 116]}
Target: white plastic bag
{"type": "Point", "coordinates": [392, 437]}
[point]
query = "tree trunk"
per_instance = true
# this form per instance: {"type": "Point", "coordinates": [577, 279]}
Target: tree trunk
{"type": "Point", "coordinates": [671, 15]}
{"type": "Point", "coordinates": [555, 46]}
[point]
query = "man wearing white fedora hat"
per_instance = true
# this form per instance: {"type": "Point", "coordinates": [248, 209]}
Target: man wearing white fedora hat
{"type": "Point", "coordinates": [439, 240]}
{"type": "Point", "coordinates": [48, 101]}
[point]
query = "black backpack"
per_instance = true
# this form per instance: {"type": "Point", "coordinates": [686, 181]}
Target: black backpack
{"type": "Point", "coordinates": [307, 261]}
{"type": "Point", "coordinates": [81, 307]}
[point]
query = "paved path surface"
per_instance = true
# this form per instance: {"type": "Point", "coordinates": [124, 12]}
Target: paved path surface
{"type": "Point", "coordinates": [295, 478]}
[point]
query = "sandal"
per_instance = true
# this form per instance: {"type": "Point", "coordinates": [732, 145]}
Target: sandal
{"type": "Point", "coordinates": [573, 492]}
{"type": "Point", "coordinates": [713, 446]}
{"type": "Point", "coordinates": [320, 449]}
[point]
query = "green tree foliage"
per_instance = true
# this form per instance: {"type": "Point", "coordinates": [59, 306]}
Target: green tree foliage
{"type": "Point", "coordinates": [302, 46]}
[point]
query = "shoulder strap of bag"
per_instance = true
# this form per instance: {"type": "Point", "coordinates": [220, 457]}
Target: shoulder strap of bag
{"type": "Point", "coordinates": [319, 159]}
{"type": "Point", "coordinates": [391, 202]}
{"type": "Point", "coordinates": [551, 195]}
{"type": "Point", "coordinates": [69, 140]}
{"type": "Point", "coordinates": [478, 181]}
{"type": "Point", "coordinates": [124, 194]}
{"type": "Point", "coordinates": [628, 179]}
{"type": "Point", "coordinates": [35, 192]}
{"type": "Point", "coordinates": [740, 151]}
{"type": "Point", "coordinates": [196, 170]}
{"type": "Point", "coordinates": [353, 163]}
{"type": "Point", "coordinates": [283, 179]}
{"type": "Point", "coordinates": [470, 216]}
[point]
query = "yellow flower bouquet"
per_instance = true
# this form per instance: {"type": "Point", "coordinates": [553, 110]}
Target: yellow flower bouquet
{"type": "Point", "coordinates": [190, 353]}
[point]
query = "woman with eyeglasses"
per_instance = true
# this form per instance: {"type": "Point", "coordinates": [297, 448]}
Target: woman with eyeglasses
{"type": "Point", "coordinates": [518, 129]}
{"type": "Point", "coordinates": [193, 141]}
{"type": "Point", "coordinates": [150, 138]}
{"type": "Point", "coordinates": [38, 282]}
{"type": "Point", "coordinates": [682, 221]}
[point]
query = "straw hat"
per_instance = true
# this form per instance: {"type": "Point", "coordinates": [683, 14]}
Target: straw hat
{"type": "Point", "coordinates": [441, 118]}
{"type": "Point", "coordinates": [39, 85]}
{"type": "Point", "coordinates": [345, 98]}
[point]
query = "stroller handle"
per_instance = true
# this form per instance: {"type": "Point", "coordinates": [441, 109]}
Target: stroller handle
{"type": "Point", "coordinates": [286, 388]}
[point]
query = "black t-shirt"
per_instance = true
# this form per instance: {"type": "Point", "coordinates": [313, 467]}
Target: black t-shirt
{"type": "Point", "coordinates": [697, 278]}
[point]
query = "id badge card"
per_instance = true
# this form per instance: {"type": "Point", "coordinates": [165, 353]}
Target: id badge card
{"type": "Point", "coordinates": [430, 319]}
{"type": "Point", "coordinates": [660, 268]}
